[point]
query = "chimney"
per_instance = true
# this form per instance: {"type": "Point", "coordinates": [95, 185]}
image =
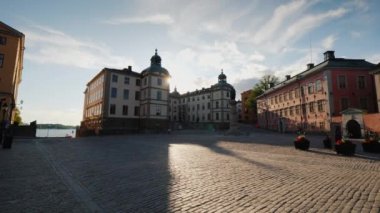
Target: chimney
{"type": "Point", "coordinates": [311, 65]}
{"type": "Point", "coordinates": [329, 55]}
{"type": "Point", "coordinates": [129, 68]}
{"type": "Point", "coordinates": [287, 77]}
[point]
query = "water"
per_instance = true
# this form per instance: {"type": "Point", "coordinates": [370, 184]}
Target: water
{"type": "Point", "coordinates": [55, 132]}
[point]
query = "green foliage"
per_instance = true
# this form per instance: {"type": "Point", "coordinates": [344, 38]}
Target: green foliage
{"type": "Point", "coordinates": [259, 89]}
{"type": "Point", "coordinates": [17, 118]}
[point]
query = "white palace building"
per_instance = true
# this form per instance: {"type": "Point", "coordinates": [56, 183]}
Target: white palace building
{"type": "Point", "coordinates": [122, 101]}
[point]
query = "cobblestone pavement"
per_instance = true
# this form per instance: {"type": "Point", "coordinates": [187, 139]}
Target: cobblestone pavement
{"type": "Point", "coordinates": [185, 172]}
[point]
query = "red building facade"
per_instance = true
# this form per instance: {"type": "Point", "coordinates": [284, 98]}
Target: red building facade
{"type": "Point", "coordinates": [311, 98]}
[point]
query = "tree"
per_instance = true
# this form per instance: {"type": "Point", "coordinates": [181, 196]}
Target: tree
{"type": "Point", "coordinates": [259, 89]}
{"type": "Point", "coordinates": [17, 118]}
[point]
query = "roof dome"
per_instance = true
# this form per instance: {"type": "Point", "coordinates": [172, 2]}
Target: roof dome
{"type": "Point", "coordinates": [156, 59]}
{"type": "Point", "coordinates": [222, 77]}
{"type": "Point", "coordinates": [155, 65]}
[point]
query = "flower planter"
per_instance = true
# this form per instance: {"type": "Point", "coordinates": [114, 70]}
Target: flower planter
{"type": "Point", "coordinates": [302, 144]}
{"type": "Point", "coordinates": [372, 146]}
{"type": "Point", "coordinates": [327, 143]}
{"type": "Point", "coordinates": [346, 148]}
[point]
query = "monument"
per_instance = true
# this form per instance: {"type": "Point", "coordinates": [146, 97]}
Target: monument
{"type": "Point", "coordinates": [234, 125]}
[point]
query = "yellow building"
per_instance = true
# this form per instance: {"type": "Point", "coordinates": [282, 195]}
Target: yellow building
{"type": "Point", "coordinates": [11, 65]}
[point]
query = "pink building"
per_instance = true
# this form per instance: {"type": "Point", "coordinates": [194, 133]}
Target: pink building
{"type": "Point", "coordinates": [311, 98]}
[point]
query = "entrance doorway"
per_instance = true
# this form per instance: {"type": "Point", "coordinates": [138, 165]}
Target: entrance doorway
{"type": "Point", "coordinates": [353, 129]}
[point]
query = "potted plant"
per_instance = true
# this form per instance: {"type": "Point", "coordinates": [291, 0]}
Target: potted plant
{"type": "Point", "coordinates": [345, 147]}
{"type": "Point", "coordinates": [301, 142]}
{"type": "Point", "coordinates": [371, 143]}
{"type": "Point", "coordinates": [327, 142]}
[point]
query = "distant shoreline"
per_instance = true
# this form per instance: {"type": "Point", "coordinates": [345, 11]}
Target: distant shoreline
{"type": "Point", "coordinates": [54, 126]}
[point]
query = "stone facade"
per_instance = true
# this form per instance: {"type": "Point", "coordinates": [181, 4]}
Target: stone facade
{"type": "Point", "coordinates": [123, 101]}
{"type": "Point", "coordinates": [204, 108]}
{"type": "Point", "coordinates": [310, 99]}
{"type": "Point", "coordinates": [376, 76]}
{"type": "Point", "coordinates": [11, 64]}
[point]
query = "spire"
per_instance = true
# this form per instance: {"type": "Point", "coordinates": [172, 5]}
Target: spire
{"type": "Point", "coordinates": [156, 59]}
{"type": "Point", "coordinates": [222, 77]}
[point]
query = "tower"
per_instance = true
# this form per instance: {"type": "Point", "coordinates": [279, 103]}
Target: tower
{"type": "Point", "coordinates": [155, 95]}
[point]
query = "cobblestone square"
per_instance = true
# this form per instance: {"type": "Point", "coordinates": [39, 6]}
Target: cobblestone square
{"type": "Point", "coordinates": [185, 172]}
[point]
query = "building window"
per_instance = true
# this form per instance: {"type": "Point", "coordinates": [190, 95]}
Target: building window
{"type": "Point", "coordinates": [280, 98]}
{"type": "Point", "coordinates": [216, 116]}
{"type": "Point", "coordinates": [138, 82]}
{"type": "Point", "coordinates": [228, 117]}
{"type": "Point", "coordinates": [285, 96]}
{"type": "Point", "coordinates": [126, 94]}
{"type": "Point", "coordinates": [228, 95]}
{"type": "Point", "coordinates": [275, 99]}
{"type": "Point", "coordinates": [208, 116]}
{"type": "Point", "coordinates": [322, 125]}
{"type": "Point", "coordinates": [291, 113]}
{"type": "Point", "coordinates": [3, 40]}
{"type": "Point", "coordinates": [342, 82]}
{"type": "Point", "coordinates": [159, 95]}
{"type": "Point", "coordinates": [137, 111]}
{"type": "Point", "coordinates": [208, 105]}
{"type": "Point", "coordinates": [310, 88]}
{"type": "Point", "coordinates": [158, 110]}
{"type": "Point", "coordinates": [145, 81]}
{"type": "Point", "coordinates": [285, 112]}
{"type": "Point", "coordinates": [112, 109]}
{"type": "Point", "coordinates": [197, 106]}
{"type": "Point", "coordinates": [137, 95]}
{"type": "Point", "coordinates": [297, 92]}
{"type": "Point", "coordinates": [320, 106]}
{"type": "Point", "coordinates": [311, 107]}
{"type": "Point", "coordinates": [344, 103]}
{"type": "Point", "coordinates": [1, 60]}
{"type": "Point", "coordinates": [203, 106]}
{"type": "Point", "coordinates": [297, 110]}
{"type": "Point", "coordinates": [361, 82]}
{"type": "Point", "coordinates": [113, 92]}
{"type": "Point", "coordinates": [125, 109]}
{"type": "Point", "coordinates": [318, 85]}
{"type": "Point", "coordinates": [126, 80]}
{"type": "Point", "coordinates": [216, 104]}
{"type": "Point", "coordinates": [304, 109]}
{"type": "Point", "coordinates": [363, 103]}
{"type": "Point", "coordinates": [159, 81]}
{"type": "Point", "coordinates": [114, 78]}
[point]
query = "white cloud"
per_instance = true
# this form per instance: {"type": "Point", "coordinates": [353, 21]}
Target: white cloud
{"type": "Point", "coordinates": [375, 58]}
{"type": "Point", "coordinates": [280, 14]}
{"type": "Point", "coordinates": [305, 25]}
{"type": "Point", "coordinates": [328, 42]}
{"type": "Point", "coordinates": [160, 19]}
{"type": "Point", "coordinates": [50, 46]}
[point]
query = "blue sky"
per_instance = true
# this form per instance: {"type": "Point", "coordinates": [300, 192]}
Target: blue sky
{"type": "Point", "coordinates": [68, 42]}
